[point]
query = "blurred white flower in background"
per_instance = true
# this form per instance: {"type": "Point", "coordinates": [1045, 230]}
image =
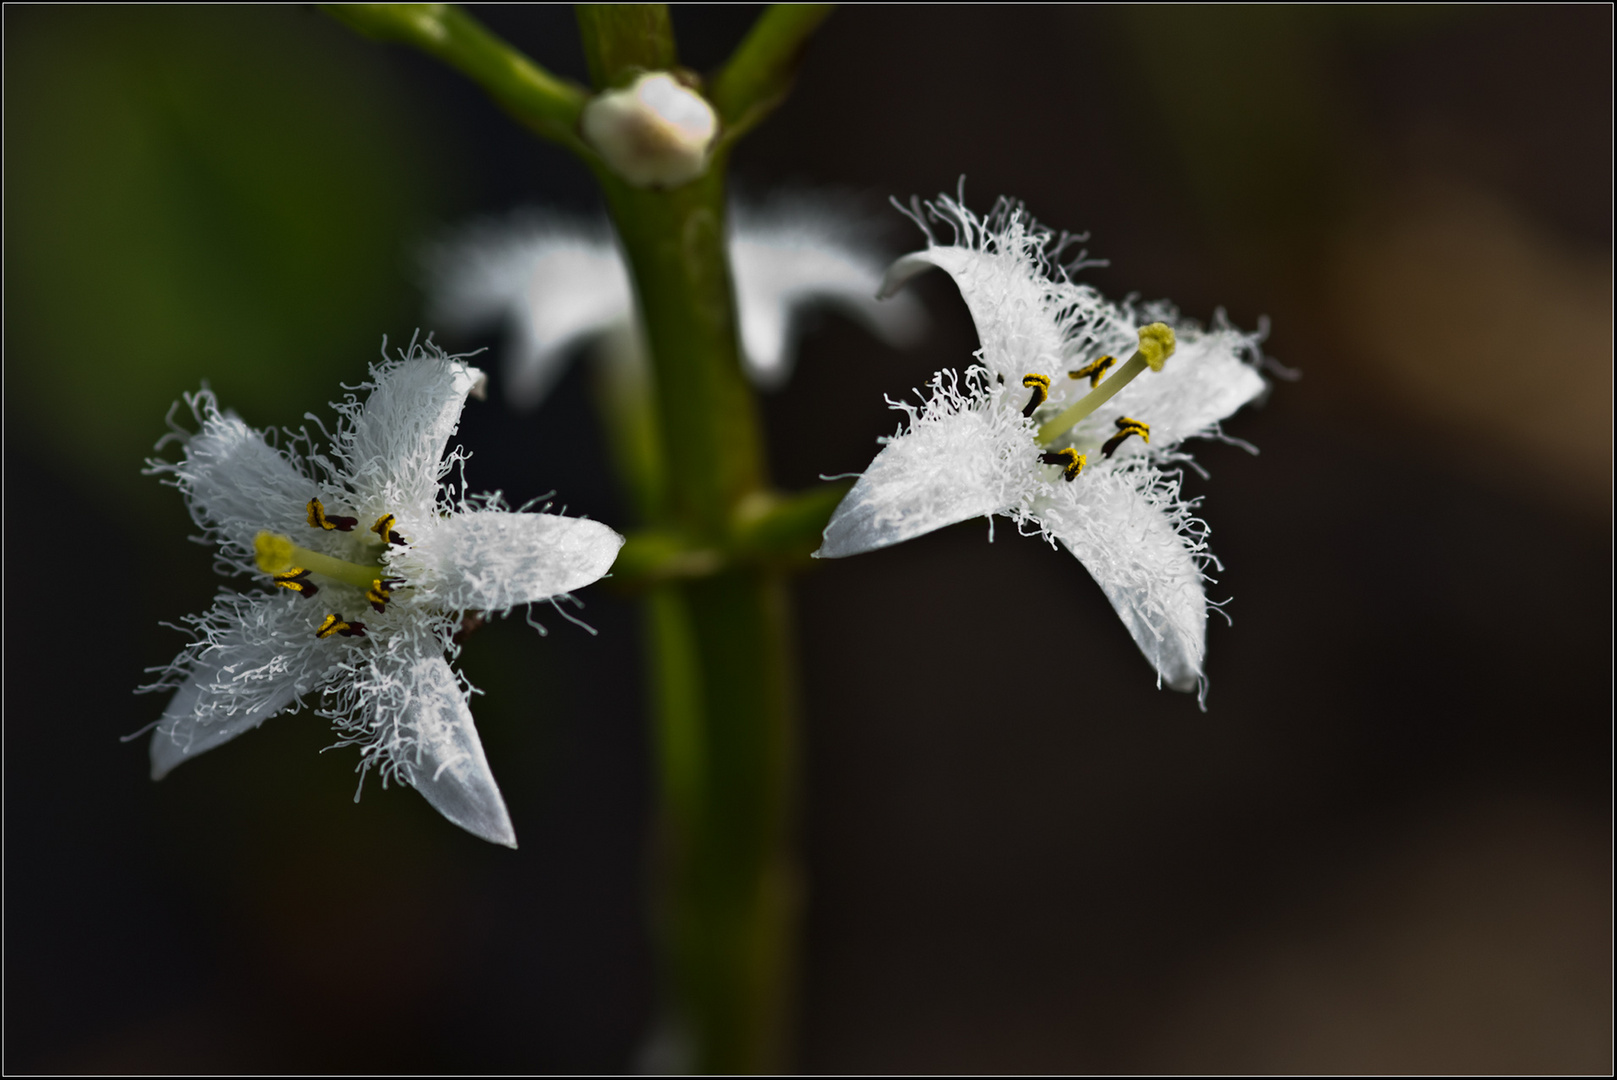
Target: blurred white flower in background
{"type": "Point", "coordinates": [371, 566]}
{"type": "Point", "coordinates": [558, 281]}
{"type": "Point", "coordinates": [1052, 431]}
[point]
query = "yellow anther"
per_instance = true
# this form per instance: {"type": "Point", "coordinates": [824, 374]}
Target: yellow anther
{"type": "Point", "coordinates": [334, 624]}
{"type": "Point", "coordinates": [297, 579]}
{"type": "Point", "coordinates": [1040, 385]}
{"type": "Point", "coordinates": [1125, 428]}
{"type": "Point", "coordinates": [1157, 343]}
{"type": "Point", "coordinates": [272, 552]}
{"type": "Point", "coordinates": [1071, 461]}
{"type": "Point", "coordinates": [379, 593]}
{"type": "Point", "coordinates": [1093, 370]}
{"type": "Point", "coordinates": [384, 529]}
{"type": "Point", "coordinates": [318, 518]}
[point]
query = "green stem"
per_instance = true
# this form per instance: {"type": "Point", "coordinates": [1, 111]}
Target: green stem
{"type": "Point", "coordinates": [776, 532]}
{"type": "Point", "coordinates": [722, 681]}
{"type": "Point", "coordinates": [622, 40]}
{"type": "Point", "coordinates": [627, 405]}
{"type": "Point", "coordinates": [759, 74]}
{"type": "Point", "coordinates": [547, 104]}
{"type": "Point", "coordinates": [718, 540]}
{"type": "Point", "coordinates": [718, 645]}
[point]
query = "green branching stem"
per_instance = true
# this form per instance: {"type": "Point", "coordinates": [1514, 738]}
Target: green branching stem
{"type": "Point", "coordinates": [628, 39]}
{"type": "Point", "coordinates": [712, 564]}
{"type": "Point", "coordinates": [769, 531]}
{"type": "Point", "coordinates": [717, 543]}
{"type": "Point", "coordinates": [549, 105]}
{"type": "Point", "coordinates": [759, 74]}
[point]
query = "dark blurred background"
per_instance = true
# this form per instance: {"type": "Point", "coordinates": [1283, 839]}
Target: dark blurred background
{"type": "Point", "coordinates": [1385, 847]}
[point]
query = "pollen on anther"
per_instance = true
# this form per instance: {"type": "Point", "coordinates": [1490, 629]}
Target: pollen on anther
{"type": "Point", "coordinates": [1071, 461]}
{"type": "Point", "coordinates": [297, 579]}
{"type": "Point", "coordinates": [1093, 370]}
{"type": "Point", "coordinates": [384, 529]}
{"type": "Point", "coordinates": [380, 592]}
{"type": "Point", "coordinates": [1125, 428]}
{"type": "Point", "coordinates": [319, 519]}
{"type": "Point", "coordinates": [1040, 385]}
{"type": "Point", "coordinates": [334, 624]}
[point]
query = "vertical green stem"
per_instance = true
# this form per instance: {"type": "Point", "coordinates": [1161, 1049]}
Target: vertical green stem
{"type": "Point", "coordinates": [719, 649]}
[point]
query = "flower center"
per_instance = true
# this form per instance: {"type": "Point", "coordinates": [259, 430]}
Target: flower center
{"type": "Point", "coordinates": [279, 557]}
{"type": "Point", "coordinates": [1156, 345]}
{"type": "Point", "coordinates": [290, 566]}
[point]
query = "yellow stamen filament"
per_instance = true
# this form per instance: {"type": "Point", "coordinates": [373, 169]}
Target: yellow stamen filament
{"type": "Point", "coordinates": [1157, 343]}
{"type": "Point", "coordinates": [277, 554]}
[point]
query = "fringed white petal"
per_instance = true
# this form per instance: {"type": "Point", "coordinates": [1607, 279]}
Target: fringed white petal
{"type": "Point", "coordinates": [1134, 536]}
{"type": "Point", "coordinates": [491, 560]}
{"type": "Point", "coordinates": [233, 481]}
{"type": "Point", "coordinates": [1030, 318]}
{"type": "Point", "coordinates": [557, 281]}
{"type": "Point", "coordinates": [965, 455]}
{"type": "Point", "coordinates": [254, 656]}
{"type": "Point", "coordinates": [792, 254]}
{"type": "Point", "coordinates": [441, 755]}
{"type": "Point", "coordinates": [391, 447]}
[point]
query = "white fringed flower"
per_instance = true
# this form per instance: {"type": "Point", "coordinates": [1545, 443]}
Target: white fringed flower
{"type": "Point", "coordinates": [370, 566]}
{"type": "Point", "coordinates": [1037, 432]}
{"type": "Point", "coordinates": [559, 282]}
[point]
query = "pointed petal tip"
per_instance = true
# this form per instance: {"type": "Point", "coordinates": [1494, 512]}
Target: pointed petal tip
{"type": "Point", "coordinates": [1185, 683]}
{"type": "Point", "coordinates": [495, 830]}
{"type": "Point", "coordinates": [474, 805]}
{"type": "Point", "coordinates": [450, 770]}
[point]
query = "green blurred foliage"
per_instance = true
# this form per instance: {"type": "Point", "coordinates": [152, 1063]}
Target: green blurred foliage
{"type": "Point", "coordinates": [196, 193]}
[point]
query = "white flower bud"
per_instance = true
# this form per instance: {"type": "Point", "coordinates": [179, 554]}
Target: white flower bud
{"type": "Point", "coordinates": [654, 131]}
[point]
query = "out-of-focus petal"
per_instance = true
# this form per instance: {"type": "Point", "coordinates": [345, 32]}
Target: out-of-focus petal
{"type": "Point", "coordinates": [1130, 540]}
{"type": "Point", "coordinates": [445, 760]}
{"type": "Point", "coordinates": [557, 281]}
{"type": "Point", "coordinates": [491, 560]}
{"type": "Point", "coordinates": [796, 254]}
